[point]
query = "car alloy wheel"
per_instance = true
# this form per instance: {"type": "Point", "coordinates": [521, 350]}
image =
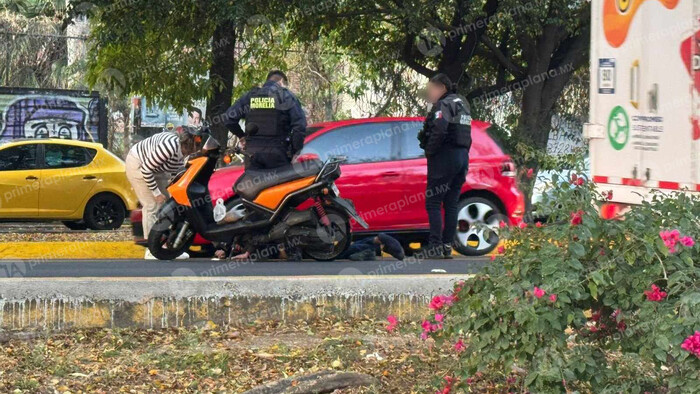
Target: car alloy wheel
{"type": "Point", "coordinates": [105, 212]}
{"type": "Point", "coordinates": [477, 225]}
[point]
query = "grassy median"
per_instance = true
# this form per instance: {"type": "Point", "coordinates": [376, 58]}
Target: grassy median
{"type": "Point", "coordinates": [216, 359]}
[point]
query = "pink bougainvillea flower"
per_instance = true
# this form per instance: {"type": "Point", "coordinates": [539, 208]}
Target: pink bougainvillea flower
{"type": "Point", "coordinates": [447, 389]}
{"type": "Point", "coordinates": [501, 249]}
{"type": "Point", "coordinates": [670, 236]}
{"type": "Point", "coordinates": [493, 257]}
{"type": "Point", "coordinates": [538, 224]}
{"type": "Point", "coordinates": [440, 301]}
{"type": "Point", "coordinates": [530, 172]}
{"type": "Point", "coordinates": [429, 327]}
{"type": "Point", "coordinates": [577, 180]}
{"type": "Point", "coordinates": [576, 218]}
{"type": "Point", "coordinates": [553, 297]}
{"type": "Point", "coordinates": [609, 195]}
{"type": "Point", "coordinates": [436, 303]}
{"type": "Point", "coordinates": [502, 224]}
{"type": "Point", "coordinates": [621, 326]}
{"type": "Point", "coordinates": [539, 293]}
{"type": "Point", "coordinates": [448, 299]}
{"type": "Point", "coordinates": [655, 294]}
{"type": "Point", "coordinates": [688, 241]}
{"type": "Point", "coordinates": [673, 237]}
{"type": "Point", "coordinates": [522, 225]}
{"type": "Point", "coordinates": [393, 322]}
{"type": "Point", "coordinates": [692, 344]}
{"type": "Point", "coordinates": [459, 346]}
{"type": "Point", "coordinates": [439, 317]}
{"type": "Point", "coordinates": [458, 288]}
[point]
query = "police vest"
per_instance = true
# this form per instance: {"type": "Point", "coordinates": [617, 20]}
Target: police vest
{"type": "Point", "coordinates": [459, 131]}
{"type": "Point", "coordinates": [266, 114]}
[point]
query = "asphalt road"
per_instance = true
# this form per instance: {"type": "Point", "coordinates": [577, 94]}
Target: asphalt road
{"type": "Point", "coordinates": [208, 268]}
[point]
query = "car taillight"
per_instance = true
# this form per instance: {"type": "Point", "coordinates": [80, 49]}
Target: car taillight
{"type": "Point", "coordinates": [508, 169]}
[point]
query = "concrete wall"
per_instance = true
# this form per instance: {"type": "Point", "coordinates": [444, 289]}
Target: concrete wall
{"type": "Point", "coordinates": [176, 302]}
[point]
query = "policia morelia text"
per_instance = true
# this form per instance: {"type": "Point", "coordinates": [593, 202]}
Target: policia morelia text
{"type": "Point", "coordinates": [275, 124]}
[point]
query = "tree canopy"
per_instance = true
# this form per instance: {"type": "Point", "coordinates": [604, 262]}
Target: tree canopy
{"type": "Point", "coordinates": [174, 52]}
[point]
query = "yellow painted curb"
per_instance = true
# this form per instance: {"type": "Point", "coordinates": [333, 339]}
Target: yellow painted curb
{"type": "Point", "coordinates": [70, 250]}
{"type": "Point", "coordinates": [416, 245]}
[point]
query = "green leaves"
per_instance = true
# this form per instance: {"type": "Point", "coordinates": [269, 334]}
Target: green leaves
{"type": "Point", "coordinates": [593, 288]}
{"type": "Point", "coordinates": [577, 249]}
{"type": "Point", "coordinates": [601, 334]}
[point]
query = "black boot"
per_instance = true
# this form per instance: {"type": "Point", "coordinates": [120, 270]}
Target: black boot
{"type": "Point", "coordinates": [429, 252]}
{"type": "Point", "coordinates": [447, 251]}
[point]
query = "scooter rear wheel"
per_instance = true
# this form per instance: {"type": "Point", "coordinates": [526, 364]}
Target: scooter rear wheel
{"type": "Point", "coordinates": [161, 238]}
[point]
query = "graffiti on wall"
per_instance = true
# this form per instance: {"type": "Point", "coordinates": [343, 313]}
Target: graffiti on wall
{"type": "Point", "coordinates": [49, 116]}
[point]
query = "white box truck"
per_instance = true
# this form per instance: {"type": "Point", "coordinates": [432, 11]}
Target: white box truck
{"type": "Point", "coordinates": [644, 127]}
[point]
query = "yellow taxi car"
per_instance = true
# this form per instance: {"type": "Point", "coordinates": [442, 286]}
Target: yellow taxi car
{"type": "Point", "coordinates": [80, 183]}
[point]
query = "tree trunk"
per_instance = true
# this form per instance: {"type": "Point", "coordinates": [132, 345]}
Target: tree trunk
{"type": "Point", "coordinates": [535, 124]}
{"type": "Point", "coordinates": [221, 74]}
{"type": "Point", "coordinates": [316, 383]}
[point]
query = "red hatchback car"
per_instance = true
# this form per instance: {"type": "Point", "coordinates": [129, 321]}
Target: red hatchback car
{"type": "Point", "coordinates": [385, 177]}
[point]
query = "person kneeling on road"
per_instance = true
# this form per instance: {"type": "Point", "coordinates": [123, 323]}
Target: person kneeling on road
{"type": "Point", "coordinates": [149, 166]}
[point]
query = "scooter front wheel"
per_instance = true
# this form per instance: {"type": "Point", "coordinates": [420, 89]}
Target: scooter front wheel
{"type": "Point", "coordinates": [163, 238]}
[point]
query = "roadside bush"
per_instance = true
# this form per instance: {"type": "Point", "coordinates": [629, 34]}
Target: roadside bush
{"type": "Point", "coordinates": [581, 303]}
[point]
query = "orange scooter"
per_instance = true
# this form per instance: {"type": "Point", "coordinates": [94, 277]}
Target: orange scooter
{"type": "Point", "coordinates": [267, 208]}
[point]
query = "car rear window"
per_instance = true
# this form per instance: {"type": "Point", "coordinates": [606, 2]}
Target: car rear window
{"type": "Point", "coordinates": [65, 156]}
{"type": "Point", "coordinates": [483, 143]}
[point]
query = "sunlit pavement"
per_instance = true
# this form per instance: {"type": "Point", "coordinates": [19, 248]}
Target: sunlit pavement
{"type": "Point", "coordinates": [209, 268]}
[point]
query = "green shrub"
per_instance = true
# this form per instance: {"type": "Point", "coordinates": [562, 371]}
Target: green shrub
{"type": "Point", "coordinates": [570, 306]}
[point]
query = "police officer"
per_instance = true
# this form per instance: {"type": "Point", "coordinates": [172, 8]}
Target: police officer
{"type": "Point", "coordinates": [275, 123]}
{"type": "Point", "coordinates": [446, 139]}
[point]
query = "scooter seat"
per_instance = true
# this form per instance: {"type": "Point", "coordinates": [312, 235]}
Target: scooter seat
{"type": "Point", "coordinates": [252, 182]}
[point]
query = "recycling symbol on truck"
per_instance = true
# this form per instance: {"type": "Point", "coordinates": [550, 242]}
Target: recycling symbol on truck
{"type": "Point", "coordinates": [618, 128]}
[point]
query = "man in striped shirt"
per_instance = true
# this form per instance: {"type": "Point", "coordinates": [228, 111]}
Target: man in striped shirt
{"type": "Point", "coordinates": [149, 166]}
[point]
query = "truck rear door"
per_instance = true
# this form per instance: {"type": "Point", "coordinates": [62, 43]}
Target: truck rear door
{"type": "Point", "coordinates": [641, 97]}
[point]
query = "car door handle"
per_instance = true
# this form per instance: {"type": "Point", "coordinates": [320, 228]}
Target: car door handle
{"type": "Point", "coordinates": [88, 177]}
{"type": "Point", "coordinates": [31, 178]}
{"type": "Point", "coordinates": [390, 174]}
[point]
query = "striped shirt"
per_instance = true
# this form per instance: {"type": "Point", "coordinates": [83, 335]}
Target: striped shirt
{"type": "Point", "coordinates": [159, 153]}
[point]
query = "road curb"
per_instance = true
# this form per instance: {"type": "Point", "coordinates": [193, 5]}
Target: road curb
{"type": "Point", "coordinates": [41, 251]}
{"type": "Point", "coordinates": [181, 302]}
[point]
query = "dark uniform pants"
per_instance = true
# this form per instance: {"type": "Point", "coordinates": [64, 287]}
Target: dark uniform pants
{"type": "Point", "coordinates": [266, 158]}
{"type": "Point", "coordinates": [447, 172]}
